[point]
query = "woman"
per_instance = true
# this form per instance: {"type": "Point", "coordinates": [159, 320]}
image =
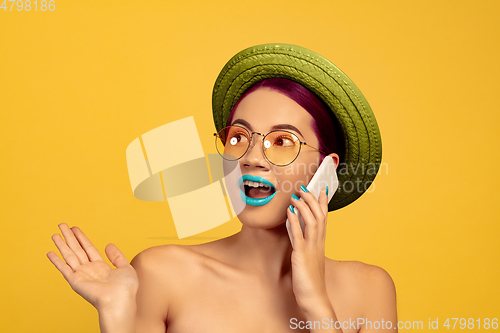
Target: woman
{"type": "Point", "coordinates": [254, 280]}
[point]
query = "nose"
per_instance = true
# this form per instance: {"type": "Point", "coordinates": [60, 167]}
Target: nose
{"type": "Point", "coordinates": [254, 155]}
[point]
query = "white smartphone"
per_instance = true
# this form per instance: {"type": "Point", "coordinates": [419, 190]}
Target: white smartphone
{"type": "Point", "coordinates": [326, 175]}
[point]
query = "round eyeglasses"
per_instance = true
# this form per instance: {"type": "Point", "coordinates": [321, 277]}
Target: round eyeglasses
{"type": "Point", "coordinates": [280, 147]}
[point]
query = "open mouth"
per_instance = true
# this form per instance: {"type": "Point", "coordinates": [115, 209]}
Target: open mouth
{"type": "Point", "coordinates": [257, 190]}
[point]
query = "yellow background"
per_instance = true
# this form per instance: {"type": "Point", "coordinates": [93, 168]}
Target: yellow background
{"type": "Point", "coordinates": [77, 85]}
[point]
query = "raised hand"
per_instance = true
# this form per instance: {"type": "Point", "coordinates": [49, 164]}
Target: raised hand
{"type": "Point", "coordinates": [308, 255]}
{"type": "Point", "coordinates": [87, 272]}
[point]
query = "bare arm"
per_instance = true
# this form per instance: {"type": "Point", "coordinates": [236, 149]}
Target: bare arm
{"type": "Point", "coordinates": [152, 300]}
{"type": "Point", "coordinates": [378, 296]}
{"type": "Point", "coordinates": [308, 259]}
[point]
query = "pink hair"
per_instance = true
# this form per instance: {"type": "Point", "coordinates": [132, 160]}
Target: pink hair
{"type": "Point", "coordinates": [325, 125]}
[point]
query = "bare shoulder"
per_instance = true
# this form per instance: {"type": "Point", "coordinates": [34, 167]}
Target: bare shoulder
{"type": "Point", "coordinates": [157, 268]}
{"type": "Point", "coordinates": [177, 262]}
{"type": "Point", "coordinates": [359, 273]}
{"type": "Point", "coordinates": [159, 254]}
{"type": "Point", "coordinates": [368, 286]}
{"type": "Point", "coordinates": [165, 260]}
{"type": "Point", "coordinates": [165, 273]}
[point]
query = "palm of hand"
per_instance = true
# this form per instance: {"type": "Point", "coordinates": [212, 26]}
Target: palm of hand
{"type": "Point", "coordinates": [87, 272]}
{"type": "Point", "coordinates": [100, 284]}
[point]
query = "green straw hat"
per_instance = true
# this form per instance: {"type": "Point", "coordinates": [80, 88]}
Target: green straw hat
{"type": "Point", "coordinates": [362, 144]}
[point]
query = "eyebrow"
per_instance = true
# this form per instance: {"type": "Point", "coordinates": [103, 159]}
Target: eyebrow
{"type": "Point", "coordinates": [275, 127]}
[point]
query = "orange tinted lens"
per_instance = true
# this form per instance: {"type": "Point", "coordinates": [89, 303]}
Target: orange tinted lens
{"type": "Point", "coordinates": [232, 142]}
{"type": "Point", "coordinates": [281, 147]}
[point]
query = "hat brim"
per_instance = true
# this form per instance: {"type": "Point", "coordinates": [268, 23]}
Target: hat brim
{"type": "Point", "coordinates": [363, 146]}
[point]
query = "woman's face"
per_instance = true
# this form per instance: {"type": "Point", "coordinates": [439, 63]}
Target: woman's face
{"type": "Point", "coordinates": [262, 111]}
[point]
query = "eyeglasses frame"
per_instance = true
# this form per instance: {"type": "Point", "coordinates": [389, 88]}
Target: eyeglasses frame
{"type": "Point", "coordinates": [302, 143]}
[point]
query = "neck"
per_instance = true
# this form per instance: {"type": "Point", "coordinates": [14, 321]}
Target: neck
{"type": "Point", "coordinates": [264, 251]}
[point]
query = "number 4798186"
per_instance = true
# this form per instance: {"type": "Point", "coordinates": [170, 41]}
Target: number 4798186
{"type": "Point", "coordinates": [27, 5]}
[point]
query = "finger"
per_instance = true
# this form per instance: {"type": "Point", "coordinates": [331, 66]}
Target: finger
{"type": "Point", "coordinates": [92, 252]}
{"type": "Point", "coordinates": [116, 257]}
{"type": "Point", "coordinates": [311, 225]}
{"type": "Point", "coordinates": [68, 255]}
{"type": "Point", "coordinates": [323, 203]}
{"type": "Point", "coordinates": [73, 243]}
{"type": "Point", "coordinates": [296, 230]}
{"type": "Point", "coordinates": [61, 266]}
{"type": "Point", "coordinates": [313, 203]}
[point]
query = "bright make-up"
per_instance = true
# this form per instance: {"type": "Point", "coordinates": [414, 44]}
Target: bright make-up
{"type": "Point", "coordinates": [257, 190]}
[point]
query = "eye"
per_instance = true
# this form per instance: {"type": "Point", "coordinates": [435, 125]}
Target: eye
{"type": "Point", "coordinates": [284, 140]}
{"type": "Point", "coordinates": [237, 137]}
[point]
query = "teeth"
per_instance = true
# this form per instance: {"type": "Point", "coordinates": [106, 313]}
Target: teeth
{"type": "Point", "coordinates": [254, 184]}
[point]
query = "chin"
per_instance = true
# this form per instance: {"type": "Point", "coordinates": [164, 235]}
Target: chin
{"type": "Point", "coordinates": [259, 217]}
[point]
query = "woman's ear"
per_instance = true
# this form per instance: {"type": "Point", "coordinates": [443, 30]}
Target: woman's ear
{"type": "Point", "coordinates": [335, 158]}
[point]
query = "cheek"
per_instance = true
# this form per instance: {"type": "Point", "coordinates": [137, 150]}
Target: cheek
{"type": "Point", "coordinates": [290, 178]}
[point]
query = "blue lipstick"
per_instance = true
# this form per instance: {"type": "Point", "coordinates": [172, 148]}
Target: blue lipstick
{"type": "Point", "coordinates": [255, 201]}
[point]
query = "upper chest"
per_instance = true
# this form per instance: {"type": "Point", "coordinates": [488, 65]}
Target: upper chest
{"type": "Point", "coordinates": [218, 302]}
